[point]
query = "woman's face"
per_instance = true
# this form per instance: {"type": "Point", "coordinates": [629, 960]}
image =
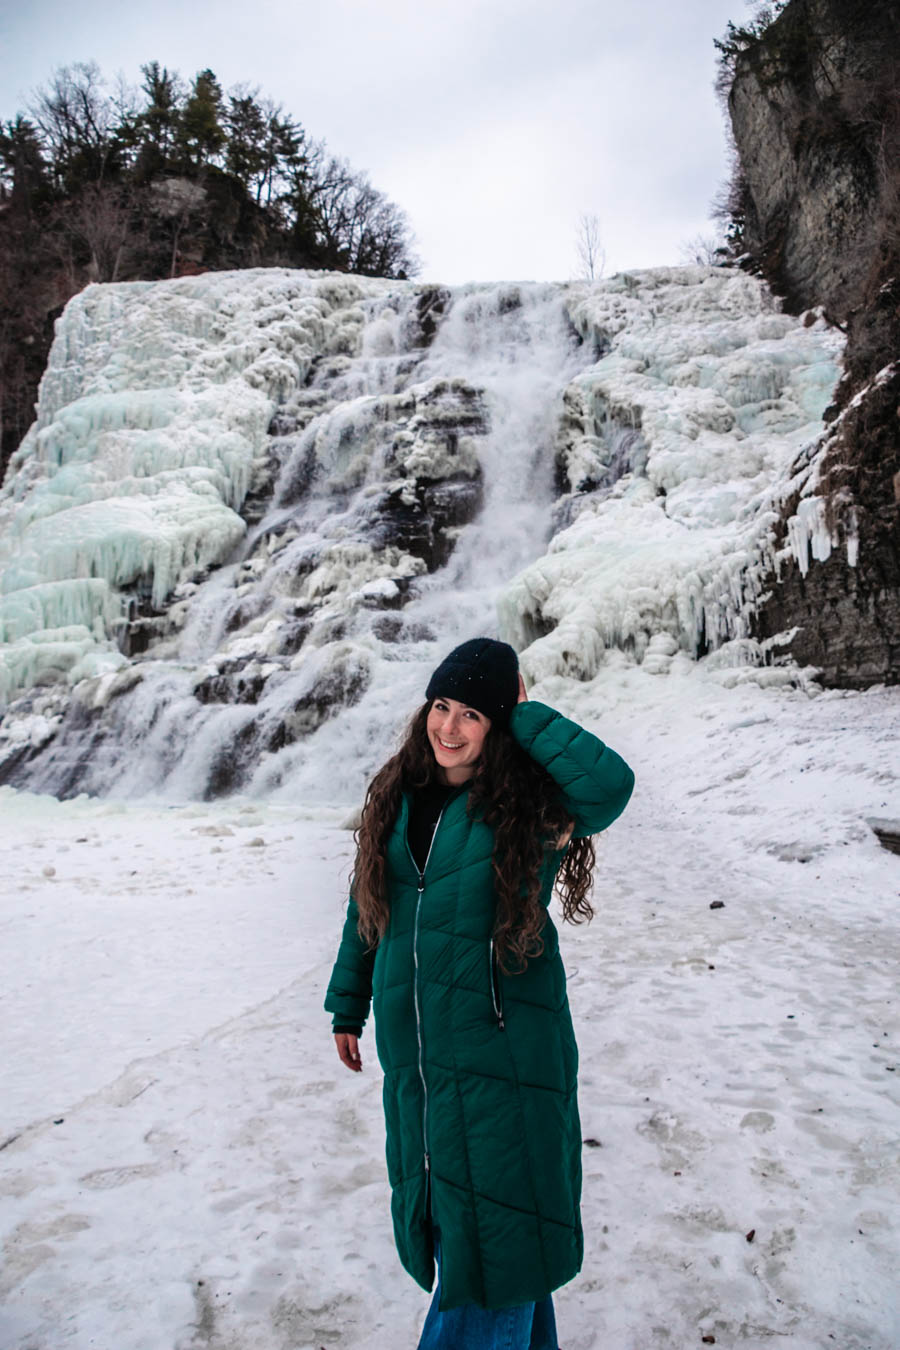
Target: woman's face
{"type": "Point", "coordinates": [456, 733]}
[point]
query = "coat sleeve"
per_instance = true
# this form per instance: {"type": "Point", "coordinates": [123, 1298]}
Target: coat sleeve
{"type": "Point", "coordinates": [594, 782]}
{"type": "Point", "coordinates": [350, 987]}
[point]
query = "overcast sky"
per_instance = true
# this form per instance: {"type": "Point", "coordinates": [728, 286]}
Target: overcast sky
{"type": "Point", "coordinates": [495, 124]}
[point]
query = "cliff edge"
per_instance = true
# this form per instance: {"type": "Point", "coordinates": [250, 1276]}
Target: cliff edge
{"type": "Point", "coordinates": [815, 112]}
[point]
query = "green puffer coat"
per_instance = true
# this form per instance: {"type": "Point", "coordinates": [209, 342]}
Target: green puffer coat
{"type": "Point", "coordinates": [480, 1068]}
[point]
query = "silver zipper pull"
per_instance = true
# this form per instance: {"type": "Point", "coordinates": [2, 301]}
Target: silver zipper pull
{"type": "Point", "coordinates": [495, 991]}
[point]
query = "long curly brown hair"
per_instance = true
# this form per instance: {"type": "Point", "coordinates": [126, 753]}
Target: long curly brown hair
{"type": "Point", "coordinates": [519, 801]}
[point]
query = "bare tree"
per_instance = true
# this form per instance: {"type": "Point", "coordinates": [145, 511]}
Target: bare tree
{"type": "Point", "coordinates": [102, 219]}
{"type": "Point", "coordinates": [357, 228]}
{"type": "Point", "coordinates": [706, 249]}
{"type": "Point", "coordinates": [178, 200]}
{"type": "Point", "coordinates": [76, 118]}
{"type": "Point", "coordinates": [590, 252]}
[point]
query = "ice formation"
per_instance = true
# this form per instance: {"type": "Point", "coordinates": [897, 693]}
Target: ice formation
{"type": "Point", "coordinates": [154, 406]}
{"type": "Point", "coordinates": [253, 499]}
{"type": "Point", "coordinates": [684, 434]}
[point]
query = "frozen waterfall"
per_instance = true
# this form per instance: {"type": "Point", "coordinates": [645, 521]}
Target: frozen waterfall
{"type": "Point", "coordinates": [256, 507]}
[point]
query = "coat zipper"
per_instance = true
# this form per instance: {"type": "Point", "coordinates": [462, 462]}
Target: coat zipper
{"type": "Point", "coordinates": [495, 990]}
{"type": "Point", "coordinates": [421, 889]}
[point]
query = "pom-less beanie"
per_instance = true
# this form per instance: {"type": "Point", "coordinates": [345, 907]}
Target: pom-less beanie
{"type": "Point", "coordinates": [482, 673]}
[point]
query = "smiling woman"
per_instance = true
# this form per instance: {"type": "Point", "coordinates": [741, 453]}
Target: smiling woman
{"type": "Point", "coordinates": [490, 802]}
{"type": "Point", "coordinates": [455, 730]}
{"type": "Point", "coordinates": [456, 733]}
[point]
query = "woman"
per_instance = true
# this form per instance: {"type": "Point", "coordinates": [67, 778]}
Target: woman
{"type": "Point", "coordinates": [490, 799]}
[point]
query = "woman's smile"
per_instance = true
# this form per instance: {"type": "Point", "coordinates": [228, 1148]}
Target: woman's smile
{"type": "Point", "coordinates": [456, 734]}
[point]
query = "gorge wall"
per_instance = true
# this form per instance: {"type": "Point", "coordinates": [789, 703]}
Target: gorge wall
{"type": "Point", "coordinates": [815, 111]}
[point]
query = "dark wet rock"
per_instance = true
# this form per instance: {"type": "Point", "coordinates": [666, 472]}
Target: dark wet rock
{"type": "Point", "coordinates": [138, 636]}
{"type": "Point", "coordinates": [244, 609]}
{"type": "Point", "coordinates": [847, 617]}
{"type": "Point", "coordinates": [259, 495]}
{"type": "Point", "coordinates": [293, 635]}
{"type": "Point", "coordinates": [426, 317]}
{"type": "Point", "coordinates": [13, 759]}
{"type": "Point", "coordinates": [233, 764]}
{"type": "Point", "coordinates": [298, 479]}
{"type": "Point", "coordinates": [395, 628]}
{"type": "Point", "coordinates": [340, 686]}
{"type": "Point", "coordinates": [238, 687]}
{"type": "Point", "coordinates": [393, 596]}
{"type": "Point", "coordinates": [145, 624]}
{"type": "Point", "coordinates": [66, 761]}
{"type": "Point", "coordinates": [342, 680]}
{"type": "Point", "coordinates": [421, 526]}
{"type": "Point", "coordinates": [509, 300]}
{"type": "Point", "coordinates": [331, 628]}
{"type": "Point", "coordinates": [887, 832]}
{"type": "Point", "coordinates": [453, 404]}
{"type": "Point", "coordinates": [453, 503]}
{"type": "Point", "coordinates": [388, 627]}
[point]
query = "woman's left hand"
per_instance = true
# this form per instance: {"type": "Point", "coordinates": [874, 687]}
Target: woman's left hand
{"type": "Point", "coordinates": [523, 697]}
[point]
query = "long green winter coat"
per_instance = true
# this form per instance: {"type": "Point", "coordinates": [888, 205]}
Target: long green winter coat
{"type": "Point", "coordinates": [480, 1068]}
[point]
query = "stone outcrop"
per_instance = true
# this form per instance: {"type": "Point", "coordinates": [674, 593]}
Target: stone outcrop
{"type": "Point", "coordinates": [815, 112]}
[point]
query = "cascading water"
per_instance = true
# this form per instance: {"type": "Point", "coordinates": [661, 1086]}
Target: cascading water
{"type": "Point", "coordinates": [410, 482]}
{"type": "Point", "coordinates": [396, 454]}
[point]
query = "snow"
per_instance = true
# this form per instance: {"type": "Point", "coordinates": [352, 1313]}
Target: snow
{"type": "Point", "coordinates": [185, 1162]}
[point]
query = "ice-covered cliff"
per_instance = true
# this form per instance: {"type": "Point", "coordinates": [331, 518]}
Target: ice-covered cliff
{"type": "Point", "coordinates": [816, 122]}
{"type": "Point", "coordinates": [255, 506]}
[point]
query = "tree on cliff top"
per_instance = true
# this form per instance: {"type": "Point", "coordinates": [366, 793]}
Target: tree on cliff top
{"type": "Point", "coordinates": [102, 182]}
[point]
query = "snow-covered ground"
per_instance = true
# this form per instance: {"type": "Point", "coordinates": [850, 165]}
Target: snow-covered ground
{"type": "Point", "coordinates": [184, 1163]}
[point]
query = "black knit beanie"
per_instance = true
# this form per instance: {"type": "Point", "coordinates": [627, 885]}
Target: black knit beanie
{"type": "Point", "coordinates": [482, 673]}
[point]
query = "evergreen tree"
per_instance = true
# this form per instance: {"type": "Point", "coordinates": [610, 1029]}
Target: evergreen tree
{"type": "Point", "coordinates": [285, 155]}
{"type": "Point", "coordinates": [245, 152]}
{"type": "Point", "coordinates": [157, 124]}
{"type": "Point", "coordinates": [23, 171]}
{"type": "Point", "coordinates": [200, 135]}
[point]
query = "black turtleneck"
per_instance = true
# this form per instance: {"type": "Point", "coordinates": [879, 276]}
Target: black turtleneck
{"type": "Point", "coordinates": [424, 813]}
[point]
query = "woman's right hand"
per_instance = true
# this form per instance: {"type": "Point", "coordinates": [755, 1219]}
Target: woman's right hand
{"type": "Point", "coordinates": [348, 1050]}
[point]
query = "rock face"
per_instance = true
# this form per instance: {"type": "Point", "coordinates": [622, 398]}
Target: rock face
{"type": "Point", "coordinates": [811, 165]}
{"type": "Point", "coordinates": [816, 120]}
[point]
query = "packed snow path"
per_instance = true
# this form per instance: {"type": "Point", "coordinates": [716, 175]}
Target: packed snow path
{"type": "Point", "coordinates": [185, 1163]}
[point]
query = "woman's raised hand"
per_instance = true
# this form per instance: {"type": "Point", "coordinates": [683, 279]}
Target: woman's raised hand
{"type": "Point", "coordinates": [348, 1049]}
{"type": "Point", "coordinates": [523, 697]}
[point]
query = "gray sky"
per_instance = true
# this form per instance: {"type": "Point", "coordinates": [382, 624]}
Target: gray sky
{"type": "Point", "coordinates": [495, 124]}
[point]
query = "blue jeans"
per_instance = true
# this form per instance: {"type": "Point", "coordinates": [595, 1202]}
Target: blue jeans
{"type": "Point", "coordinates": [529, 1326]}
